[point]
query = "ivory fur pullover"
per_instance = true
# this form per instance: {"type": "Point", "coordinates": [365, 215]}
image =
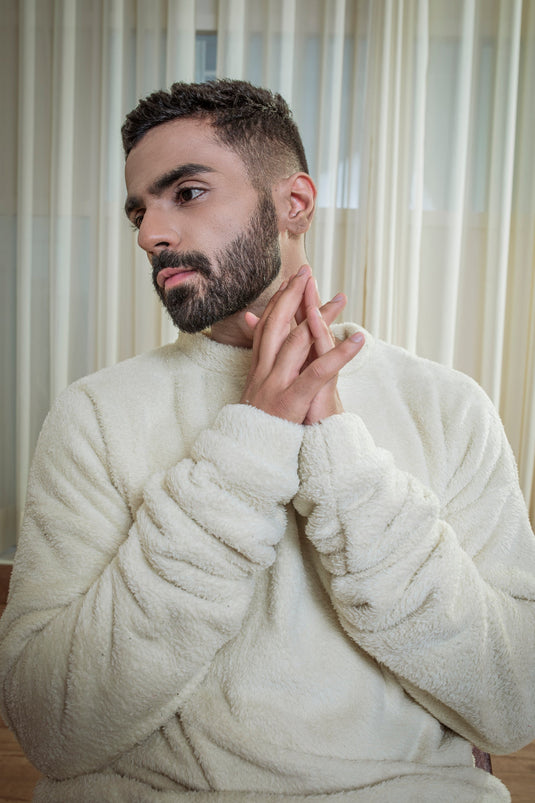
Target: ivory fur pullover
{"type": "Point", "coordinates": [212, 604]}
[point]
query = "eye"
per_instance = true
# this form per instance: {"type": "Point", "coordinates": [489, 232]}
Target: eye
{"type": "Point", "coordinates": [186, 194]}
{"type": "Point", "coordinates": [136, 221]}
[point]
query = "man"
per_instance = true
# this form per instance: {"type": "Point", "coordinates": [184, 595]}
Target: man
{"type": "Point", "coordinates": [264, 562]}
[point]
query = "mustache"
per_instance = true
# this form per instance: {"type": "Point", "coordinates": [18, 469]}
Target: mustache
{"type": "Point", "coordinates": [194, 260]}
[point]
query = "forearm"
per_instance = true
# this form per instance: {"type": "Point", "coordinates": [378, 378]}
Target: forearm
{"type": "Point", "coordinates": [113, 649]}
{"type": "Point", "coordinates": [449, 623]}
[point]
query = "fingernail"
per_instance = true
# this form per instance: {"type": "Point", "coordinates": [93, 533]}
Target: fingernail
{"type": "Point", "coordinates": [283, 286]}
{"type": "Point", "coordinates": [358, 337]}
{"type": "Point", "coordinates": [339, 297]}
{"type": "Point", "coordinates": [302, 270]}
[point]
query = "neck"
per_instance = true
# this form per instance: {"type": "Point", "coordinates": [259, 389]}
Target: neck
{"type": "Point", "coordinates": [234, 330]}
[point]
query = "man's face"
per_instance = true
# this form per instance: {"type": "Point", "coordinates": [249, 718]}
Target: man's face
{"type": "Point", "coordinates": [211, 238]}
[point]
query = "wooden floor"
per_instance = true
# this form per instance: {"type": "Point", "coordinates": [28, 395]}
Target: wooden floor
{"type": "Point", "coordinates": [517, 771]}
{"type": "Point", "coordinates": [18, 777]}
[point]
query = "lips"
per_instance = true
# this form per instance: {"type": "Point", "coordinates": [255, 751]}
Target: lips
{"type": "Point", "coordinates": [169, 277]}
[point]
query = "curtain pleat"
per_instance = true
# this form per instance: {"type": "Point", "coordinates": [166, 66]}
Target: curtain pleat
{"type": "Point", "coordinates": [417, 117]}
{"type": "Point", "coordinates": [500, 201]}
{"type": "Point", "coordinates": [107, 233]}
{"type": "Point", "coordinates": [518, 378]}
{"type": "Point", "coordinates": [285, 64]}
{"type": "Point", "coordinates": [459, 168]}
{"type": "Point", "coordinates": [25, 261]}
{"type": "Point", "coordinates": [327, 152]}
{"type": "Point", "coordinates": [411, 166]}
{"type": "Point", "coordinates": [231, 30]}
{"type": "Point", "coordinates": [180, 41]}
{"type": "Point", "coordinates": [61, 251]}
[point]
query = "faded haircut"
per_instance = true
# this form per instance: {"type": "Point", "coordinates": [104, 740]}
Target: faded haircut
{"type": "Point", "coordinates": [254, 122]}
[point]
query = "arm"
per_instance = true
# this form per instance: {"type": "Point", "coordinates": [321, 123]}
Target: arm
{"type": "Point", "coordinates": [440, 591]}
{"type": "Point", "coordinates": [113, 614]}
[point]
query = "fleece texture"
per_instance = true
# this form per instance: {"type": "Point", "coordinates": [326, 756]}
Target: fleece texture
{"type": "Point", "coordinates": [212, 604]}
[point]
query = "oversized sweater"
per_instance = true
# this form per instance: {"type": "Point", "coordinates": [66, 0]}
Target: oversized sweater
{"type": "Point", "coordinates": [209, 603]}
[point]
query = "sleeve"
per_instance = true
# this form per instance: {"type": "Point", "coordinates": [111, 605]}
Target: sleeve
{"type": "Point", "coordinates": [441, 591]}
{"type": "Point", "coordinates": [113, 616]}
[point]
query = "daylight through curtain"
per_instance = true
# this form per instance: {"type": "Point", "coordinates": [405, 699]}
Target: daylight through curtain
{"type": "Point", "coordinates": [418, 119]}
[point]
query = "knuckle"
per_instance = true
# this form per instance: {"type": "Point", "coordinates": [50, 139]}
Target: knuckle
{"type": "Point", "coordinates": [284, 406]}
{"type": "Point", "coordinates": [318, 371]}
{"type": "Point", "coordinates": [269, 323]}
{"type": "Point", "coordinates": [275, 325]}
{"type": "Point", "coordinates": [294, 336]}
{"type": "Point", "coordinates": [287, 405]}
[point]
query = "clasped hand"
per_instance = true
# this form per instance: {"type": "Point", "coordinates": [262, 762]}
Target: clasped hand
{"type": "Point", "coordinates": [295, 358]}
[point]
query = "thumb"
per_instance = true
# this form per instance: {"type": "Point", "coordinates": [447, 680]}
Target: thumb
{"type": "Point", "coordinates": [251, 320]}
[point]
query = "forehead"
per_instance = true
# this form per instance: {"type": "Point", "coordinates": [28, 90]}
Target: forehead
{"type": "Point", "coordinates": [179, 142]}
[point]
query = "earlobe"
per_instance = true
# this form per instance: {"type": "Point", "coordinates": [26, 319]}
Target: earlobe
{"type": "Point", "coordinates": [300, 198]}
{"type": "Point", "coordinates": [299, 223]}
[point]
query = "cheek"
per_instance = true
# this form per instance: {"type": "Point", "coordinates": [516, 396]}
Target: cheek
{"type": "Point", "coordinates": [218, 238]}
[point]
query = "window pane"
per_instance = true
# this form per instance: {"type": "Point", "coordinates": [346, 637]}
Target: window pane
{"type": "Point", "coordinates": [205, 56]}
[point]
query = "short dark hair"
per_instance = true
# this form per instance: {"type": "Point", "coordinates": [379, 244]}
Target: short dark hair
{"type": "Point", "coordinates": [255, 122]}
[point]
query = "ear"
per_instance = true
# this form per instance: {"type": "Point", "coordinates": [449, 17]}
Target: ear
{"type": "Point", "coordinates": [296, 196]}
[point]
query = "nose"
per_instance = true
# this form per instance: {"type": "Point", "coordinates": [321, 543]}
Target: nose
{"type": "Point", "coordinates": [158, 231]}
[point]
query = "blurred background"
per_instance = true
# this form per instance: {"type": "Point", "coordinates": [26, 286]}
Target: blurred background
{"type": "Point", "coordinates": [418, 120]}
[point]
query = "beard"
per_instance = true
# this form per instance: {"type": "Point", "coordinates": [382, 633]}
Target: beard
{"type": "Point", "coordinates": [238, 275]}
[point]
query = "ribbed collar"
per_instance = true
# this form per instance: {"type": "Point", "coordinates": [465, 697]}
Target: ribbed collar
{"type": "Point", "coordinates": [213, 356]}
{"type": "Point", "coordinates": [221, 358]}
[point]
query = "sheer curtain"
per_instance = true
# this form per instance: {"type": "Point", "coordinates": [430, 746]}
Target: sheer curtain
{"type": "Point", "coordinates": [417, 116]}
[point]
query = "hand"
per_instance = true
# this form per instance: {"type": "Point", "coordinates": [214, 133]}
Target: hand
{"type": "Point", "coordinates": [284, 378]}
{"type": "Point", "coordinates": [327, 402]}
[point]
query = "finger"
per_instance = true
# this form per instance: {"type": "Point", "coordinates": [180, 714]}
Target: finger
{"type": "Point", "coordinates": [310, 340]}
{"type": "Point", "coordinates": [279, 321]}
{"type": "Point", "coordinates": [328, 313]}
{"type": "Point", "coordinates": [310, 297]}
{"type": "Point", "coordinates": [293, 355]}
{"type": "Point", "coordinates": [314, 293]}
{"type": "Point", "coordinates": [251, 320]}
{"type": "Point", "coordinates": [273, 300]}
{"type": "Point", "coordinates": [295, 349]}
{"type": "Point", "coordinates": [323, 338]}
{"type": "Point", "coordinates": [261, 321]}
{"type": "Point", "coordinates": [332, 309]}
{"type": "Point", "coordinates": [327, 366]}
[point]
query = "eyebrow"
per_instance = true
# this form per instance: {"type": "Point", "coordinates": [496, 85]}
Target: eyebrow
{"type": "Point", "coordinates": [165, 181]}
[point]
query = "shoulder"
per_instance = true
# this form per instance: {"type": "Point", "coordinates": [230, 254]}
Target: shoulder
{"type": "Point", "coordinates": [129, 380]}
{"type": "Point", "coordinates": [138, 372]}
{"type": "Point", "coordinates": [425, 385]}
{"type": "Point", "coordinates": [419, 381]}
{"type": "Point", "coordinates": [124, 389]}
{"type": "Point", "coordinates": [434, 418]}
